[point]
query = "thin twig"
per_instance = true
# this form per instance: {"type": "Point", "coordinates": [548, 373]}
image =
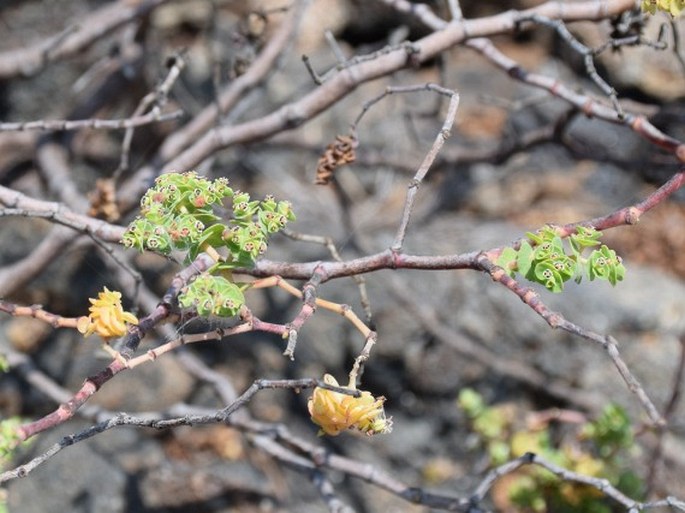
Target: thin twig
{"type": "Point", "coordinates": [157, 99]}
{"type": "Point", "coordinates": [309, 305]}
{"type": "Point", "coordinates": [30, 59]}
{"type": "Point", "coordinates": [327, 242]}
{"type": "Point", "coordinates": [60, 125]}
{"type": "Point", "coordinates": [429, 158]}
{"type": "Point", "coordinates": [556, 320]}
{"type": "Point", "coordinates": [587, 54]}
{"type": "Point", "coordinates": [670, 409]}
{"type": "Point", "coordinates": [295, 113]}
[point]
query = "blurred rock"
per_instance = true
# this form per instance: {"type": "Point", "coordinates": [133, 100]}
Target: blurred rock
{"type": "Point", "coordinates": [26, 334]}
{"type": "Point", "coordinates": [83, 482]}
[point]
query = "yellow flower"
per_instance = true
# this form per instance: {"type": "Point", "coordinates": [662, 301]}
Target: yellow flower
{"type": "Point", "coordinates": [334, 412]}
{"type": "Point", "coordinates": [674, 7]}
{"type": "Point", "coordinates": [107, 317]}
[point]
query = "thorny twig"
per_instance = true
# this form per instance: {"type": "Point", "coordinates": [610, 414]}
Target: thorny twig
{"type": "Point", "coordinates": [430, 157]}
{"type": "Point", "coordinates": [218, 416]}
{"type": "Point", "coordinates": [475, 39]}
{"type": "Point", "coordinates": [556, 320]}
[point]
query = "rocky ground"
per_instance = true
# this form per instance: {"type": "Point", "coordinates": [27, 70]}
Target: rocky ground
{"type": "Point", "coordinates": [462, 206]}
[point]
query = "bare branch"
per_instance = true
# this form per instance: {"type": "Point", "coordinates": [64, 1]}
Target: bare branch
{"type": "Point", "coordinates": [30, 60]}
{"type": "Point", "coordinates": [59, 125]}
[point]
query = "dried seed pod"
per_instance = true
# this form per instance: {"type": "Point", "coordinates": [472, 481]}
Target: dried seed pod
{"type": "Point", "coordinates": [338, 153]}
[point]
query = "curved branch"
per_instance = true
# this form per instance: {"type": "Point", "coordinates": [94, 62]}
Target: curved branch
{"type": "Point", "coordinates": [296, 113]}
{"type": "Point", "coordinates": [30, 60]}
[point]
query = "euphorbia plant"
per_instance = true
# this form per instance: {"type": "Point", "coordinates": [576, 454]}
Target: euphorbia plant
{"type": "Point", "coordinates": [189, 213]}
{"type": "Point", "coordinates": [550, 260]}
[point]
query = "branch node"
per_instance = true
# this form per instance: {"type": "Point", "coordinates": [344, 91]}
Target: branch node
{"type": "Point", "coordinates": [680, 152]}
{"type": "Point", "coordinates": [312, 73]}
{"type": "Point", "coordinates": [633, 215]}
{"type": "Point", "coordinates": [292, 342]}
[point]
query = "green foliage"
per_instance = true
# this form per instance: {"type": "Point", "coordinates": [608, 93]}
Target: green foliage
{"type": "Point", "coordinates": [213, 295]}
{"type": "Point", "coordinates": [673, 7]}
{"type": "Point", "coordinates": [611, 432]}
{"type": "Point", "coordinates": [552, 261]}
{"type": "Point", "coordinates": [597, 449]}
{"type": "Point", "coordinates": [4, 364]}
{"type": "Point", "coordinates": [9, 438]}
{"type": "Point", "coordinates": [186, 212]}
{"type": "Point", "coordinates": [181, 213]}
{"type": "Point", "coordinates": [9, 442]}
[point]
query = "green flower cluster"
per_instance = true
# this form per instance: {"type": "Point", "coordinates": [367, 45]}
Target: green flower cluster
{"type": "Point", "coordinates": [212, 295]}
{"type": "Point", "coordinates": [180, 213]}
{"type": "Point", "coordinates": [546, 260]}
{"type": "Point", "coordinates": [186, 212]}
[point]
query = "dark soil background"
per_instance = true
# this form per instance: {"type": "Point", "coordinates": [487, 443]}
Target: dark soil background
{"type": "Point", "coordinates": [465, 205]}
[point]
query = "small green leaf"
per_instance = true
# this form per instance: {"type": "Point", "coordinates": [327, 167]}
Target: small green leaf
{"type": "Point", "coordinates": [524, 261]}
{"type": "Point", "coordinates": [212, 236]}
{"type": "Point", "coordinates": [546, 273]}
{"type": "Point", "coordinates": [535, 237]}
{"type": "Point", "coordinates": [612, 430]}
{"type": "Point", "coordinates": [585, 236]}
{"type": "Point", "coordinates": [604, 264]}
{"type": "Point", "coordinates": [471, 402]}
{"type": "Point", "coordinates": [9, 437]}
{"type": "Point", "coordinates": [507, 261]}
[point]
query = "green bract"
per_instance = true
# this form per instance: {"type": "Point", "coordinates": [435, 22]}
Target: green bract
{"type": "Point", "coordinates": [552, 261]}
{"type": "Point", "coordinates": [604, 264]}
{"type": "Point", "coordinates": [186, 212]}
{"type": "Point", "coordinates": [212, 295]}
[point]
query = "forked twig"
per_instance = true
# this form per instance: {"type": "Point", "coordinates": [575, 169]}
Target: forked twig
{"type": "Point", "coordinates": [155, 99]}
{"type": "Point", "coordinates": [308, 294]}
{"type": "Point", "coordinates": [430, 157]}
{"type": "Point", "coordinates": [556, 320]}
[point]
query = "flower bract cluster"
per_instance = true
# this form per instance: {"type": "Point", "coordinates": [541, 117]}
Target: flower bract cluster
{"type": "Point", "coordinates": [212, 295]}
{"type": "Point", "coordinates": [546, 259]}
{"type": "Point", "coordinates": [107, 317]}
{"type": "Point", "coordinates": [673, 7]}
{"type": "Point", "coordinates": [335, 412]}
{"type": "Point", "coordinates": [186, 212]}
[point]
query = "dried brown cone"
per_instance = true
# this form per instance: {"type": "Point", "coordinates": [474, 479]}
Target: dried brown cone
{"type": "Point", "coordinates": [338, 153]}
{"type": "Point", "coordinates": [103, 203]}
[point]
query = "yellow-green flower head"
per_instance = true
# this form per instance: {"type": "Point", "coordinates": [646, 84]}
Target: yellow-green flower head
{"type": "Point", "coordinates": [107, 317]}
{"type": "Point", "coordinates": [673, 7]}
{"type": "Point", "coordinates": [335, 412]}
